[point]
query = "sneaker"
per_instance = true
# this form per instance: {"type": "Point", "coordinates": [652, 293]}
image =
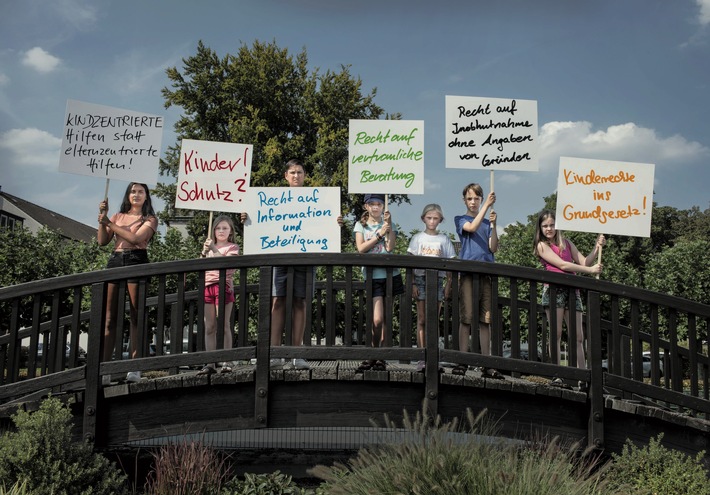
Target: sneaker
{"type": "Point", "coordinates": [421, 365]}
{"type": "Point", "coordinates": [106, 380]}
{"type": "Point", "coordinates": [276, 363]}
{"type": "Point", "coordinates": [301, 364]}
{"type": "Point", "coordinates": [133, 376]}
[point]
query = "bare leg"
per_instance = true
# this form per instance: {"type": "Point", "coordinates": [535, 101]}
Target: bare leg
{"type": "Point", "coordinates": [298, 320]}
{"type": "Point", "coordinates": [420, 323]}
{"type": "Point", "coordinates": [464, 336]}
{"type": "Point", "coordinates": [278, 319]}
{"type": "Point", "coordinates": [581, 361]}
{"type": "Point", "coordinates": [133, 330]}
{"type": "Point", "coordinates": [110, 323]}
{"type": "Point", "coordinates": [378, 324]}
{"type": "Point", "coordinates": [485, 335]}
{"type": "Point", "coordinates": [210, 327]}
{"type": "Point", "coordinates": [228, 337]}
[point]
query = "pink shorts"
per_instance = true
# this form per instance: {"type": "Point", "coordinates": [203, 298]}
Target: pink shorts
{"type": "Point", "coordinates": [212, 294]}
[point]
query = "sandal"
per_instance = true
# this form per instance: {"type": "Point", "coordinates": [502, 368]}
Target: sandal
{"type": "Point", "coordinates": [365, 366]}
{"type": "Point", "coordinates": [492, 373]}
{"type": "Point", "coordinates": [459, 369]}
{"type": "Point", "coordinates": [207, 370]}
{"type": "Point", "coordinates": [558, 382]}
{"type": "Point", "coordinates": [379, 366]}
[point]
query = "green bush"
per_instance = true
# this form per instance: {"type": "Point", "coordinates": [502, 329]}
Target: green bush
{"type": "Point", "coordinates": [444, 459]}
{"type": "Point", "coordinates": [654, 469]}
{"type": "Point", "coordinates": [187, 468]}
{"type": "Point", "coordinates": [275, 483]}
{"type": "Point", "coordinates": [41, 456]}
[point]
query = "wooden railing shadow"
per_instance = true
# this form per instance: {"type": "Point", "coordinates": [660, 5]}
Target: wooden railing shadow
{"type": "Point", "coordinates": [619, 322]}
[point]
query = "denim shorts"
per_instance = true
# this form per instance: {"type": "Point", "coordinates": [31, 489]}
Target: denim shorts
{"type": "Point", "coordinates": [280, 279]}
{"type": "Point", "coordinates": [420, 282]}
{"type": "Point", "coordinates": [561, 295]}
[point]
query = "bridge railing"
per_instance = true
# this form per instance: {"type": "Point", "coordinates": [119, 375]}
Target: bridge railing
{"type": "Point", "coordinates": [42, 322]}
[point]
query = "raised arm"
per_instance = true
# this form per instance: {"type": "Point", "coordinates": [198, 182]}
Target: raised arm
{"type": "Point", "coordinates": [547, 254]}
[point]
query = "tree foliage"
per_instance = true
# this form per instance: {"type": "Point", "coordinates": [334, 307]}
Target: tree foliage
{"type": "Point", "coordinates": [267, 97]}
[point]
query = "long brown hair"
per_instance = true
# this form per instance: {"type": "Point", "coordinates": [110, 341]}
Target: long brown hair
{"type": "Point", "coordinates": [558, 240]}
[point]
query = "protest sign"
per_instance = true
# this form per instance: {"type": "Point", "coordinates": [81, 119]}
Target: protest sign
{"type": "Point", "coordinates": [213, 176]}
{"type": "Point", "coordinates": [292, 220]}
{"type": "Point", "coordinates": [111, 143]}
{"type": "Point", "coordinates": [491, 133]}
{"type": "Point", "coordinates": [604, 197]}
{"type": "Point", "coordinates": [386, 156]}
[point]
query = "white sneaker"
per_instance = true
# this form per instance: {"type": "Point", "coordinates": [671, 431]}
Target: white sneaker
{"type": "Point", "coordinates": [276, 363]}
{"type": "Point", "coordinates": [133, 376]}
{"type": "Point", "coordinates": [301, 364]}
{"type": "Point", "coordinates": [106, 380]}
{"type": "Point", "coordinates": [421, 366]}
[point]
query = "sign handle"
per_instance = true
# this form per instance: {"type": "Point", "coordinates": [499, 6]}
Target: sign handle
{"type": "Point", "coordinates": [599, 258]}
{"type": "Point", "coordinates": [492, 189]}
{"type": "Point", "coordinates": [209, 229]}
{"type": "Point", "coordinates": [106, 191]}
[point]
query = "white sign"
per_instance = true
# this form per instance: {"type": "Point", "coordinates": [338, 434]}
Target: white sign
{"type": "Point", "coordinates": [491, 133]}
{"type": "Point", "coordinates": [386, 156]}
{"type": "Point", "coordinates": [213, 176]}
{"type": "Point", "coordinates": [604, 197]}
{"type": "Point", "coordinates": [292, 220]}
{"type": "Point", "coordinates": [111, 143]}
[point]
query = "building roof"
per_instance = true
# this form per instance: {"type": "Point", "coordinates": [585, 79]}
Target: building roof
{"type": "Point", "coordinates": [50, 219]}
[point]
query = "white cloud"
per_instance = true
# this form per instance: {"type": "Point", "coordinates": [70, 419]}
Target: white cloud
{"type": "Point", "coordinates": [704, 14]}
{"type": "Point", "coordinates": [624, 142]}
{"type": "Point", "coordinates": [40, 60]}
{"type": "Point", "coordinates": [32, 147]}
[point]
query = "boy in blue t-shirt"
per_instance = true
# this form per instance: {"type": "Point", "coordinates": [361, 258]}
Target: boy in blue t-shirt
{"type": "Point", "coordinates": [479, 240]}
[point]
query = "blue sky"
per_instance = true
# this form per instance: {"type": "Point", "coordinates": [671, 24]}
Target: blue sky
{"type": "Point", "coordinates": [614, 80]}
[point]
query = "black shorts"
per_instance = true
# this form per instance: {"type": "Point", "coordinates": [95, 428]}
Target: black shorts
{"type": "Point", "coordinates": [379, 286]}
{"type": "Point", "coordinates": [129, 257]}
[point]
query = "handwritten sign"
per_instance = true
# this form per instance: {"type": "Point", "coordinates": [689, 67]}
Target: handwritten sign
{"type": "Point", "coordinates": [111, 143]}
{"type": "Point", "coordinates": [604, 196]}
{"type": "Point", "coordinates": [386, 156]}
{"type": "Point", "coordinates": [292, 220]}
{"type": "Point", "coordinates": [491, 133]}
{"type": "Point", "coordinates": [213, 176]}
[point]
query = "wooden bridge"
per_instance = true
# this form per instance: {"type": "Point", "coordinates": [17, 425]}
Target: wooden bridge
{"type": "Point", "coordinates": [331, 406]}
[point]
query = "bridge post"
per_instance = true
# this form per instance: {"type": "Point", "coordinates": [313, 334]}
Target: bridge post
{"type": "Point", "coordinates": [431, 333]}
{"type": "Point", "coordinates": [595, 424]}
{"type": "Point", "coordinates": [263, 350]}
{"type": "Point", "coordinates": [93, 361]}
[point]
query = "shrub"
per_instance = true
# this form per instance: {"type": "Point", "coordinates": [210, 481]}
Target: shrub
{"type": "Point", "coordinates": [445, 459]}
{"type": "Point", "coordinates": [187, 468]}
{"type": "Point", "coordinates": [275, 483]}
{"type": "Point", "coordinates": [655, 469]}
{"type": "Point", "coordinates": [41, 456]}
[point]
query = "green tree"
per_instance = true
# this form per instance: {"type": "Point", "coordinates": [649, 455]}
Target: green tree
{"type": "Point", "coordinates": [267, 97]}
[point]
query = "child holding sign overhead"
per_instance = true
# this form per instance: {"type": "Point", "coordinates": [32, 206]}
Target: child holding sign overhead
{"type": "Point", "coordinates": [560, 255]}
{"type": "Point", "coordinates": [479, 242]}
{"type": "Point", "coordinates": [220, 243]}
{"type": "Point", "coordinates": [374, 234]}
{"type": "Point", "coordinates": [132, 227]}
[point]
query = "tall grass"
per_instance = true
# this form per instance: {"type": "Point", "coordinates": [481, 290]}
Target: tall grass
{"type": "Point", "coordinates": [449, 459]}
